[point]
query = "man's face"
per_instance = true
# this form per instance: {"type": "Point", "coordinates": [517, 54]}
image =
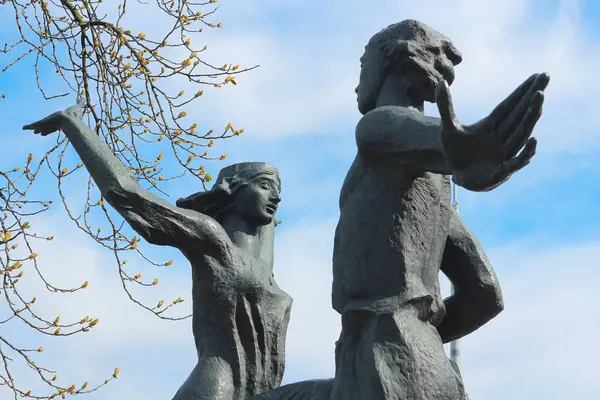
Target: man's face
{"type": "Point", "coordinates": [422, 65]}
{"type": "Point", "coordinates": [368, 83]}
{"type": "Point", "coordinates": [424, 68]}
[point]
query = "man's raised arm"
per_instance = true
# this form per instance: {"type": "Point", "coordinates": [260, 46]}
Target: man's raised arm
{"type": "Point", "coordinates": [402, 135]}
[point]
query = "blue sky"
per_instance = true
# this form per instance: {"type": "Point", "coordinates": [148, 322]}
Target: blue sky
{"type": "Point", "coordinates": [541, 229]}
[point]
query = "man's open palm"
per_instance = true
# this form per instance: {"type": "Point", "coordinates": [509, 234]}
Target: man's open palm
{"type": "Point", "coordinates": [486, 154]}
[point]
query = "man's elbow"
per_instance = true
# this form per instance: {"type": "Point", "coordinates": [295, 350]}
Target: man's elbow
{"type": "Point", "coordinates": [372, 132]}
{"type": "Point", "coordinates": [490, 298]}
{"type": "Point", "coordinates": [364, 142]}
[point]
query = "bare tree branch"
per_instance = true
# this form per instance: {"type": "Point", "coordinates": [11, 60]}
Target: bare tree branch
{"type": "Point", "coordinates": [127, 81]}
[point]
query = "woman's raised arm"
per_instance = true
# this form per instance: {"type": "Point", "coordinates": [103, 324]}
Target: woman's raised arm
{"type": "Point", "coordinates": [155, 219]}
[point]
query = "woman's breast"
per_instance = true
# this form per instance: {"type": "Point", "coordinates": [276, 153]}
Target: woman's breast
{"type": "Point", "coordinates": [242, 317]}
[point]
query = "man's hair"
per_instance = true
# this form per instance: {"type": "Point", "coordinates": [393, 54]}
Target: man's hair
{"type": "Point", "coordinates": [408, 41]}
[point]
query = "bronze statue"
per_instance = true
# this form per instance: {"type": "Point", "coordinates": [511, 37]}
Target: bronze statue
{"type": "Point", "coordinates": [396, 232]}
{"type": "Point", "coordinates": [397, 229]}
{"type": "Point", "coordinates": [240, 315]}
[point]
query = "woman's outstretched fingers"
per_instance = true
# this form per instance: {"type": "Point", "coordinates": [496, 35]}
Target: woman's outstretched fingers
{"type": "Point", "coordinates": [37, 127]}
{"type": "Point", "coordinates": [47, 125]}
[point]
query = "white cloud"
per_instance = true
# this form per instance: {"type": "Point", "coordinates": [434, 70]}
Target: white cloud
{"type": "Point", "coordinates": [303, 269]}
{"type": "Point", "coordinates": [543, 343]}
{"type": "Point", "coordinates": [295, 90]}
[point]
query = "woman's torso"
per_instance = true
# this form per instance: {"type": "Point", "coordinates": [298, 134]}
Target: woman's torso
{"type": "Point", "coordinates": [240, 318]}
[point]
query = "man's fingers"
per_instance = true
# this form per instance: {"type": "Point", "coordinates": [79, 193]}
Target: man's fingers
{"type": "Point", "coordinates": [510, 123]}
{"type": "Point", "coordinates": [511, 166]}
{"type": "Point", "coordinates": [517, 139]}
{"type": "Point", "coordinates": [503, 109]}
{"type": "Point", "coordinates": [443, 100]}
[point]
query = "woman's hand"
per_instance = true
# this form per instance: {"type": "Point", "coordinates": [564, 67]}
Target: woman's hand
{"type": "Point", "coordinates": [53, 122]}
{"type": "Point", "coordinates": [48, 125]}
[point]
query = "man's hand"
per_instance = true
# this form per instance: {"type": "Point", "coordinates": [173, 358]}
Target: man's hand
{"type": "Point", "coordinates": [486, 154]}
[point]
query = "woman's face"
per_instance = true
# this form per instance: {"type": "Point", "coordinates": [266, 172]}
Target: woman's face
{"type": "Point", "coordinates": [257, 201]}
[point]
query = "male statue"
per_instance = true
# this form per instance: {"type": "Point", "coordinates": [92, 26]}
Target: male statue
{"type": "Point", "coordinates": [397, 230]}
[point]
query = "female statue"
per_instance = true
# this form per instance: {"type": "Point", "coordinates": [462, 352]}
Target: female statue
{"type": "Point", "coordinates": [240, 315]}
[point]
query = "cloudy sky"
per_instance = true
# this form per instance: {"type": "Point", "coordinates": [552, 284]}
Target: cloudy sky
{"type": "Point", "coordinates": [541, 229]}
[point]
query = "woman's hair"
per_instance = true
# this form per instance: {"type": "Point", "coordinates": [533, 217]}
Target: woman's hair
{"type": "Point", "coordinates": [218, 201]}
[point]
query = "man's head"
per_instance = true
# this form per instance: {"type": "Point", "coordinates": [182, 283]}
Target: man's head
{"type": "Point", "coordinates": [251, 190]}
{"type": "Point", "coordinates": [412, 49]}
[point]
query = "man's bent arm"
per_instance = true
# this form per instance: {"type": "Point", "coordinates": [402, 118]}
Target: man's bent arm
{"type": "Point", "coordinates": [404, 136]}
{"type": "Point", "coordinates": [477, 297]}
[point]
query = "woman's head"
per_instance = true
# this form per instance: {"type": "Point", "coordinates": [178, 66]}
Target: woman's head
{"type": "Point", "coordinates": [414, 50]}
{"type": "Point", "coordinates": [251, 190]}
